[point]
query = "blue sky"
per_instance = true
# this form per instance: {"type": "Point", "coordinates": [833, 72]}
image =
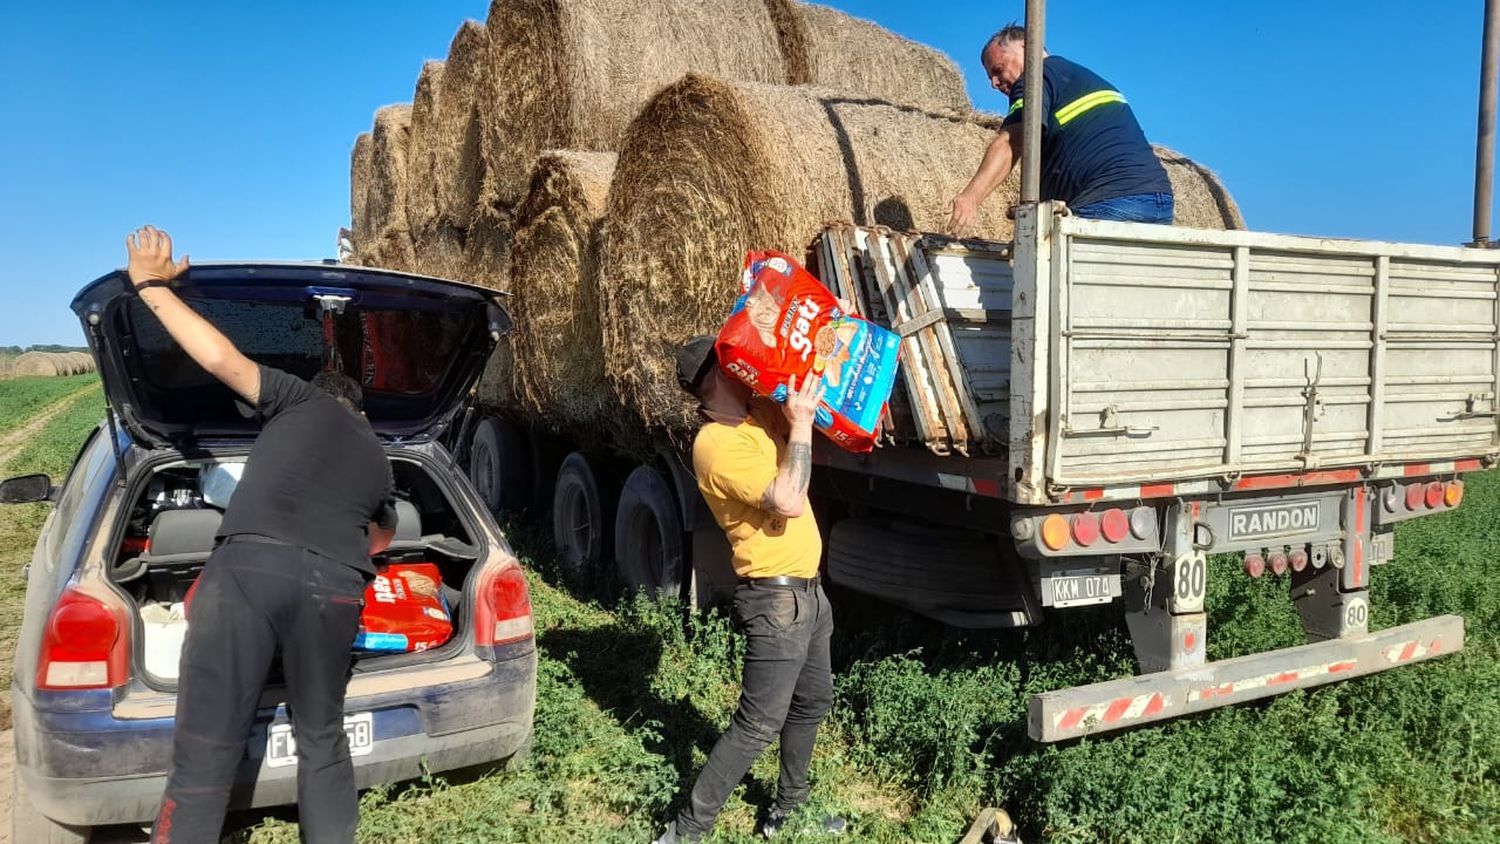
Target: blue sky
{"type": "Point", "coordinates": [229, 124]}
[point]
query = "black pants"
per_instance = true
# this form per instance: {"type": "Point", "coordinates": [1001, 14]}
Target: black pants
{"type": "Point", "coordinates": [254, 597]}
{"type": "Point", "coordinates": [787, 689]}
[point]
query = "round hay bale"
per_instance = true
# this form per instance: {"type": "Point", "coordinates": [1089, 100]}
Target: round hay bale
{"type": "Point", "coordinates": [67, 364]}
{"type": "Point", "coordinates": [386, 204]}
{"type": "Point", "coordinates": [851, 54]}
{"type": "Point", "coordinates": [487, 264]}
{"type": "Point", "coordinates": [571, 74]}
{"type": "Point", "coordinates": [85, 361]}
{"type": "Point", "coordinates": [421, 156]}
{"type": "Point", "coordinates": [36, 363]}
{"type": "Point", "coordinates": [439, 252]}
{"type": "Point", "coordinates": [1199, 198]}
{"type": "Point", "coordinates": [392, 250]}
{"type": "Point", "coordinates": [458, 166]}
{"type": "Point", "coordinates": [361, 175]}
{"type": "Point", "coordinates": [559, 361]}
{"type": "Point", "coordinates": [710, 169]}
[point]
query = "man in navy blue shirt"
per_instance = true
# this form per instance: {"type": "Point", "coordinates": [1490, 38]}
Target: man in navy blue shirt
{"type": "Point", "coordinates": [1094, 155]}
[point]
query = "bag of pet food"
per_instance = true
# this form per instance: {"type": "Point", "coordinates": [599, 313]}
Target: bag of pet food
{"type": "Point", "coordinates": [404, 610]}
{"type": "Point", "coordinates": [787, 324]}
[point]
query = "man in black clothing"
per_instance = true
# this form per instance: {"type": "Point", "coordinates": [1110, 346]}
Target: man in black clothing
{"type": "Point", "coordinates": [1094, 155]}
{"type": "Point", "coordinates": [288, 573]}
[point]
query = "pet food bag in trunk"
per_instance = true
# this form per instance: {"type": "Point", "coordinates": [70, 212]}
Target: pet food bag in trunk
{"type": "Point", "coordinates": [404, 610]}
{"type": "Point", "coordinates": [787, 324]}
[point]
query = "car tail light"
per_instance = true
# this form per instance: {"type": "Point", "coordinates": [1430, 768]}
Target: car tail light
{"type": "Point", "coordinates": [1115, 526]}
{"type": "Point", "coordinates": [1255, 565]}
{"type": "Point", "coordinates": [1085, 529]}
{"type": "Point", "coordinates": [1414, 497]}
{"type": "Point", "coordinates": [1055, 532]}
{"type": "Point", "coordinates": [1453, 495]}
{"type": "Point", "coordinates": [503, 613]}
{"type": "Point", "coordinates": [86, 643]}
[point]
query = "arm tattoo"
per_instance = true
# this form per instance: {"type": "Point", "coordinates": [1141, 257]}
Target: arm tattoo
{"type": "Point", "coordinates": [801, 466]}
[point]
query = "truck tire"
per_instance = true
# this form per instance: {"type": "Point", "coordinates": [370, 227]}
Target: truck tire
{"type": "Point", "coordinates": [582, 529]}
{"type": "Point", "coordinates": [958, 578]}
{"type": "Point", "coordinates": [649, 536]}
{"type": "Point", "coordinates": [33, 827]}
{"type": "Point", "coordinates": [500, 465]}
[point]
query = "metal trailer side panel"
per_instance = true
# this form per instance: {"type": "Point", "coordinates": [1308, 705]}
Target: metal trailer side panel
{"type": "Point", "coordinates": [1183, 354]}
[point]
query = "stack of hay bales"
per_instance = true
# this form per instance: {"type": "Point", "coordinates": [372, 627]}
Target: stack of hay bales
{"type": "Point", "coordinates": [608, 165]}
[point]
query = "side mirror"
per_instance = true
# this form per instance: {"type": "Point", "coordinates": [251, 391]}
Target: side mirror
{"type": "Point", "coordinates": [25, 489]}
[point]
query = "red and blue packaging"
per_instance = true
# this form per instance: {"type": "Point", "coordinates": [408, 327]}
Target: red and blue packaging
{"type": "Point", "coordinates": [786, 324]}
{"type": "Point", "coordinates": [404, 610]}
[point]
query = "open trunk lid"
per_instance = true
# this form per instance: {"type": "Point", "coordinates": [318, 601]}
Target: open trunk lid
{"type": "Point", "coordinates": [415, 344]}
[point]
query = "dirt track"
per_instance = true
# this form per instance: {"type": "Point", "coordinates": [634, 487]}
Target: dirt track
{"type": "Point", "coordinates": [12, 443]}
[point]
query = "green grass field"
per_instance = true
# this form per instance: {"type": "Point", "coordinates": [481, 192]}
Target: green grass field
{"type": "Point", "coordinates": [51, 452]}
{"type": "Point", "coordinates": [21, 398]}
{"type": "Point", "coordinates": [928, 724]}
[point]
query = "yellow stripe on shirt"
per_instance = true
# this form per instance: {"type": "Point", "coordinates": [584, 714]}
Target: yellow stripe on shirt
{"type": "Point", "coordinates": [1086, 102]}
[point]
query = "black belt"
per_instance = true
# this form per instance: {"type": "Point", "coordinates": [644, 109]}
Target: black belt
{"type": "Point", "coordinates": [781, 580]}
{"type": "Point", "coordinates": [254, 537]}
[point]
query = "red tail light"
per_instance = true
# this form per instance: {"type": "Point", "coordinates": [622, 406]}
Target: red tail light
{"type": "Point", "coordinates": [1278, 564]}
{"type": "Point", "coordinates": [1298, 560]}
{"type": "Point", "coordinates": [85, 645]}
{"type": "Point", "coordinates": [1434, 495]}
{"type": "Point", "coordinates": [503, 612]}
{"type": "Point", "coordinates": [1255, 565]}
{"type": "Point", "coordinates": [1115, 526]}
{"type": "Point", "coordinates": [1414, 496]}
{"type": "Point", "coordinates": [1085, 529]}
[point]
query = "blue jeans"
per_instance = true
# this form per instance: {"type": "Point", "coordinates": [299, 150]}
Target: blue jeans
{"type": "Point", "coordinates": [1138, 208]}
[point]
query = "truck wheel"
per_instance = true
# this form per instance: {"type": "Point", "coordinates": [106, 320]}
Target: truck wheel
{"type": "Point", "coordinates": [649, 535]}
{"type": "Point", "coordinates": [581, 527]}
{"type": "Point", "coordinates": [500, 465]}
{"type": "Point", "coordinates": [33, 827]}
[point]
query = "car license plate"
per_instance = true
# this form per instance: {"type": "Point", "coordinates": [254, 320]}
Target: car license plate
{"type": "Point", "coordinates": [281, 744]}
{"type": "Point", "coordinates": [1079, 590]}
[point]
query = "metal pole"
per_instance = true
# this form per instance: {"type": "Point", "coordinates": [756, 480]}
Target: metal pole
{"type": "Point", "coordinates": [1484, 154]}
{"type": "Point", "coordinates": [1031, 113]}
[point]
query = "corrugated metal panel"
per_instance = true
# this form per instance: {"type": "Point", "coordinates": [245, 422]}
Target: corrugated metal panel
{"type": "Point", "coordinates": [1191, 354]}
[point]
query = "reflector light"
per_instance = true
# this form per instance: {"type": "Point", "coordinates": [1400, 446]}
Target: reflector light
{"type": "Point", "coordinates": [1055, 532]}
{"type": "Point", "coordinates": [1143, 522]}
{"type": "Point", "coordinates": [1115, 526]}
{"type": "Point", "coordinates": [1391, 499]}
{"type": "Point", "coordinates": [1434, 494]}
{"type": "Point", "coordinates": [1255, 565]}
{"type": "Point", "coordinates": [1297, 560]}
{"type": "Point", "coordinates": [1085, 529]}
{"type": "Point", "coordinates": [1414, 497]}
{"type": "Point", "coordinates": [1454, 494]}
{"type": "Point", "coordinates": [1278, 564]}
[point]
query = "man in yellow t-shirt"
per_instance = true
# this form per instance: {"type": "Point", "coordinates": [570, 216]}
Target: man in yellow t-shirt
{"type": "Point", "coordinates": [753, 461]}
